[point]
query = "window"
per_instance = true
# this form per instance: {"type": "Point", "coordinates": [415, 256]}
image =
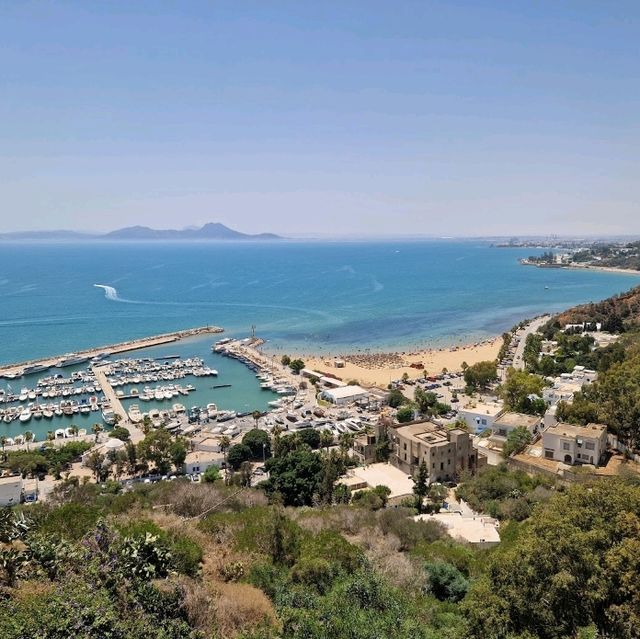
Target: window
{"type": "Point", "coordinates": [590, 446]}
{"type": "Point", "coordinates": [433, 465]}
{"type": "Point", "coordinates": [566, 446]}
{"type": "Point", "coordinates": [441, 465]}
{"type": "Point", "coordinates": [405, 445]}
{"type": "Point", "coordinates": [484, 422]}
{"type": "Point", "coordinates": [548, 454]}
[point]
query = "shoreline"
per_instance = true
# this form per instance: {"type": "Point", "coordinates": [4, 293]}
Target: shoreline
{"type": "Point", "coordinates": [112, 349]}
{"type": "Point", "coordinates": [585, 267]}
{"type": "Point", "coordinates": [381, 368]}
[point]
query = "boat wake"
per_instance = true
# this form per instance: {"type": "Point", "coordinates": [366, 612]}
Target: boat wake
{"type": "Point", "coordinates": [109, 292]}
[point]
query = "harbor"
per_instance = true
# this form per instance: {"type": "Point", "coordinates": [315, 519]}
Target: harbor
{"type": "Point", "coordinates": [164, 387]}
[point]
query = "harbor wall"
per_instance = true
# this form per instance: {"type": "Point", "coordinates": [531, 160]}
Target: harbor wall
{"type": "Point", "coordinates": [122, 347]}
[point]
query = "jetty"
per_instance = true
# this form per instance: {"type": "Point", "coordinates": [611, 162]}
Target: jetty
{"type": "Point", "coordinates": [17, 369]}
{"type": "Point", "coordinates": [116, 405]}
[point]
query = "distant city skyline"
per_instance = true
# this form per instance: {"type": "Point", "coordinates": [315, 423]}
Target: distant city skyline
{"type": "Point", "coordinates": [353, 119]}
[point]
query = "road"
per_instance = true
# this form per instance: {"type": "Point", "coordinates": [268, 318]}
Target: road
{"type": "Point", "coordinates": [518, 361]}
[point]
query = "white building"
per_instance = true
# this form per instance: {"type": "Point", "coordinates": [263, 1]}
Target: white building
{"type": "Point", "coordinates": [10, 490]}
{"type": "Point", "coordinates": [344, 395]}
{"type": "Point", "coordinates": [480, 417]}
{"type": "Point", "coordinates": [198, 461]}
{"type": "Point", "coordinates": [573, 444]}
{"type": "Point", "coordinates": [508, 422]}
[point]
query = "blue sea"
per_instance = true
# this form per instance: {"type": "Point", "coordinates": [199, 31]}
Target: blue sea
{"type": "Point", "coordinates": [302, 296]}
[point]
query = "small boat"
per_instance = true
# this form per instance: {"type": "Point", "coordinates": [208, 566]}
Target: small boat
{"type": "Point", "coordinates": [47, 413]}
{"type": "Point", "coordinates": [31, 394]}
{"type": "Point", "coordinates": [134, 414]}
{"type": "Point", "coordinates": [179, 409]}
{"type": "Point", "coordinates": [109, 417]}
{"type": "Point", "coordinates": [25, 415]}
{"type": "Point", "coordinates": [212, 410]}
{"type": "Point", "coordinates": [158, 395]}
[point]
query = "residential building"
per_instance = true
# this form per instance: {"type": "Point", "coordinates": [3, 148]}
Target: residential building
{"type": "Point", "coordinates": [480, 417]}
{"type": "Point", "coordinates": [198, 461]}
{"type": "Point", "coordinates": [445, 452]}
{"type": "Point", "coordinates": [365, 444]}
{"type": "Point", "coordinates": [10, 490]}
{"type": "Point", "coordinates": [508, 422]}
{"type": "Point", "coordinates": [574, 444]}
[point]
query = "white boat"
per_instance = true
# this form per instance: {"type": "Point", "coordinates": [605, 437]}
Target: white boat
{"type": "Point", "coordinates": [31, 394]}
{"type": "Point", "coordinates": [24, 394]}
{"type": "Point", "coordinates": [59, 434]}
{"type": "Point", "coordinates": [25, 415]}
{"type": "Point", "coordinates": [144, 397]}
{"type": "Point", "coordinates": [167, 394]}
{"type": "Point", "coordinates": [47, 413]}
{"type": "Point", "coordinates": [135, 415]}
{"type": "Point", "coordinates": [179, 409]}
{"type": "Point", "coordinates": [109, 417]}
{"type": "Point", "coordinates": [158, 395]}
{"type": "Point", "coordinates": [212, 410]}
{"type": "Point", "coordinates": [37, 413]}
{"type": "Point", "coordinates": [85, 409]}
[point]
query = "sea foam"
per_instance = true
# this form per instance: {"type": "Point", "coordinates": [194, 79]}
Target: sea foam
{"type": "Point", "coordinates": [109, 292]}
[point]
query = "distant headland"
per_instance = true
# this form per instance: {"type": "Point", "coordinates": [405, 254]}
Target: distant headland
{"type": "Point", "coordinates": [213, 231]}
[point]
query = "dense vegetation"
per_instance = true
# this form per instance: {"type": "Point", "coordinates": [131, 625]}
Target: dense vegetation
{"type": "Point", "coordinates": [93, 564]}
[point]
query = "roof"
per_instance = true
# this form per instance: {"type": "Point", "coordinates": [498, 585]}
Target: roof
{"type": "Point", "coordinates": [424, 433]}
{"type": "Point", "coordinates": [484, 409]}
{"type": "Point", "coordinates": [345, 392]}
{"type": "Point", "coordinates": [573, 430]}
{"type": "Point", "coordinates": [10, 490]}
{"type": "Point", "coordinates": [514, 420]}
{"type": "Point", "coordinates": [202, 456]}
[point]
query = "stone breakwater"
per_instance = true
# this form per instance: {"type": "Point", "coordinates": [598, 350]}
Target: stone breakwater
{"type": "Point", "coordinates": [112, 349]}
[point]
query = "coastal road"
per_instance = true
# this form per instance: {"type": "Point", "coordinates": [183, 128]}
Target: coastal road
{"type": "Point", "coordinates": [532, 327]}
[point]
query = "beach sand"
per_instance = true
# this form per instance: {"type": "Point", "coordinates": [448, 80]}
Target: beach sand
{"type": "Point", "coordinates": [379, 369]}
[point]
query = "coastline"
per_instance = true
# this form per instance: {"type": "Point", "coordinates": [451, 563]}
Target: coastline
{"type": "Point", "coordinates": [379, 369]}
{"type": "Point", "coordinates": [585, 267]}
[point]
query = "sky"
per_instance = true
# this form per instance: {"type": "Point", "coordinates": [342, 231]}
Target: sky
{"type": "Point", "coordinates": [332, 118]}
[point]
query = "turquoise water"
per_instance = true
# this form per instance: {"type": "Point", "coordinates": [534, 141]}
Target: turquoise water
{"type": "Point", "coordinates": [324, 297]}
{"type": "Point", "coordinates": [309, 296]}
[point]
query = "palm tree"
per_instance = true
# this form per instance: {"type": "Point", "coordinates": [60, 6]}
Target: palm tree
{"type": "Point", "coordinates": [50, 435]}
{"type": "Point", "coordinates": [346, 442]}
{"type": "Point", "coordinates": [74, 430]}
{"type": "Point", "coordinates": [256, 414]}
{"type": "Point", "coordinates": [3, 441]}
{"type": "Point", "coordinates": [96, 429]}
{"type": "Point", "coordinates": [326, 439]}
{"type": "Point", "coordinates": [28, 437]}
{"type": "Point", "coordinates": [224, 444]}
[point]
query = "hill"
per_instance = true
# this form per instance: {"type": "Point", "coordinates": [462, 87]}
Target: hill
{"type": "Point", "coordinates": [212, 231]}
{"type": "Point", "coordinates": [615, 313]}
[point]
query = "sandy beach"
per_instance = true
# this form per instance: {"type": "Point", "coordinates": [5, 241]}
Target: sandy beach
{"type": "Point", "coordinates": [379, 369]}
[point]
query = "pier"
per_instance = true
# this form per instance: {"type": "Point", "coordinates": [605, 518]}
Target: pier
{"type": "Point", "coordinates": [116, 404]}
{"type": "Point", "coordinates": [112, 349]}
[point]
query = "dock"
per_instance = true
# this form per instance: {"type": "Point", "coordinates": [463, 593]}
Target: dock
{"type": "Point", "coordinates": [116, 405]}
{"type": "Point", "coordinates": [112, 349]}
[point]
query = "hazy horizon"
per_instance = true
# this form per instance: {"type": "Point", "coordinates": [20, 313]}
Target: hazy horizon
{"type": "Point", "coordinates": [473, 119]}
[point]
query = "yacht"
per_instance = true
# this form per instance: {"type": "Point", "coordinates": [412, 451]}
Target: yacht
{"type": "Point", "coordinates": [47, 413]}
{"type": "Point", "coordinates": [212, 411]}
{"type": "Point", "coordinates": [158, 395]}
{"type": "Point", "coordinates": [25, 415]}
{"type": "Point", "coordinates": [70, 360]}
{"type": "Point", "coordinates": [109, 417]}
{"type": "Point", "coordinates": [134, 414]}
{"type": "Point", "coordinates": [179, 409]}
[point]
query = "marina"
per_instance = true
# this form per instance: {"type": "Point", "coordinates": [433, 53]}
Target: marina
{"type": "Point", "coordinates": [147, 384]}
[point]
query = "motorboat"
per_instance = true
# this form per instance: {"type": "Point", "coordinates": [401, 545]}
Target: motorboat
{"type": "Point", "coordinates": [135, 415]}
{"type": "Point", "coordinates": [25, 415]}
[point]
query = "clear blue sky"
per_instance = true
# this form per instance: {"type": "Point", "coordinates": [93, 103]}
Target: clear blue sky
{"type": "Point", "coordinates": [333, 117]}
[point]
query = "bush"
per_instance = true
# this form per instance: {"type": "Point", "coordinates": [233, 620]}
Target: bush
{"type": "Point", "coordinates": [446, 582]}
{"type": "Point", "coordinates": [211, 475]}
{"type": "Point", "coordinates": [119, 432]}
{"type": "Point", "coordinates": [404, 414]}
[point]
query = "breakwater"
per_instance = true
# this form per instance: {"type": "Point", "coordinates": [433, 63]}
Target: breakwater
{"type": "Point", "coordinates": [17, 369]}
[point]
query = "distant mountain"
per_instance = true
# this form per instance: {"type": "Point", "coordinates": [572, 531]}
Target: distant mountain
{"type": "Point", "coordinates": [211, 231]}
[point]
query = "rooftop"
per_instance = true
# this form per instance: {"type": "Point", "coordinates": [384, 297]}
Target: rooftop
{"type": "Point", "coordinates": [514, 420]}
{"type": "Point", "coordinates": [345, 392]}
{"type": "Point", "coordinates": [423, 433]}
{"type": "Point", "coordinates": [10, 490]}
{"type": "Point", "coordinates": [383, 474]}
{"type": "Point", "coordinates": [484, 409]}
{"type": "Point", "coordinates": [573, 430]}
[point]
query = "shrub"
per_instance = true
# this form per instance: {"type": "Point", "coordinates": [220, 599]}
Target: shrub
{"type": "Point", "coordinates": [446, 582]}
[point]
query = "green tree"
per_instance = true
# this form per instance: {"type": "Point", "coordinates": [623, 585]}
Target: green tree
{"type": "Point", "coordinates": [211, 475]}
{"type": "Point", "coordinates": [517, 440]}
{"type": "Point", "coordinates": [481, 374]}
{"type": "Point", "coordinates": [446, 582]}
{"type": "Point", "coordinates": [395, 398]}
{"type": "Point", "coordinates": [294, 477]}
{"type": "Point", "coordinates": [420, 486]}
{"type": "Point", "coordinates": [286, 360]}
{"type": "Point", "coordinates": [238, 454]}
{"type": "Point", "coordinates": [517, 388]}
{"type": "Point", "coordinates": [296, 366]}
{"type": "Point", "coordinates": [405, 414]}
{"type": "Point", "coordinates": [259, 442]}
